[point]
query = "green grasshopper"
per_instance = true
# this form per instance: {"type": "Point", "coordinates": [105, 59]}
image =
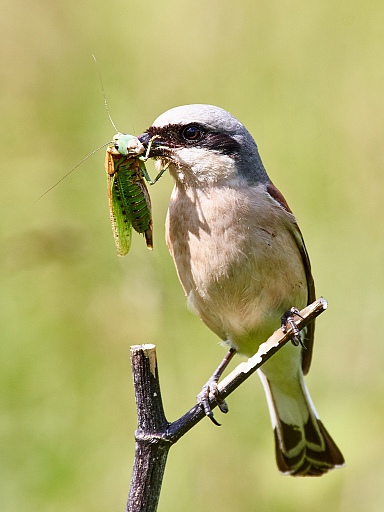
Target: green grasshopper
{"type": "Point", "coordinates": [129, 201]}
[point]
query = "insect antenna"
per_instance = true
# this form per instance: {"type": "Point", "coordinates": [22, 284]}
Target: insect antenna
{"type": "Point", "coordinates": [104, 96]}
{"type": "Point", "coordinates": [69, 172]}
{"type": "Point", "coordinates": [95, 150]}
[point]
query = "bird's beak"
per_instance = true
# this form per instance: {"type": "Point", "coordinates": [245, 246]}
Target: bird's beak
{"type": "Point", "coordinates": [155, 143]}
{"type": "Point", "coordinates": [144, 138]}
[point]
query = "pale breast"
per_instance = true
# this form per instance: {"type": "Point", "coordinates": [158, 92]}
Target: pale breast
{"type": "Point", "coordinates": [237, 260]}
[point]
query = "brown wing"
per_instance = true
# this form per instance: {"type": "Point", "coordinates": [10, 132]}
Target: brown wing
{"type": "Point", "coordinates": [109, 164]}
{"type": "Point", "coordinates": [310, 329]}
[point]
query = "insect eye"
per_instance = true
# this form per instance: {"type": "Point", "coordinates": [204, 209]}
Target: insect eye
{"type": "Point", "coordinates": [192, 133]}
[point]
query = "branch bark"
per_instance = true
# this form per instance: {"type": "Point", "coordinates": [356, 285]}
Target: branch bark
{"type": "Point", "coordinates": [155, 435]}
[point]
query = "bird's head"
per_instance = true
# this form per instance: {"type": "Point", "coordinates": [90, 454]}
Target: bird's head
{"type": "Point", "coordinates": [204, 145]}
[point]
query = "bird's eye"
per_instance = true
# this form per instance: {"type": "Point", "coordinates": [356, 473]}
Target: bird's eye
{"type": "Point", "coordinates": [192, 133]}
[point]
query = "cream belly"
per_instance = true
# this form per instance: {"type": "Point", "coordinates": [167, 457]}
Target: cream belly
{"type": "Point", "coordinates": [237, 260]}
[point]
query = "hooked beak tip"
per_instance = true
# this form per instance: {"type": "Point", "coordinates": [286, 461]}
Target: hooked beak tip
{"type": "Point", "coordinates": [153, 144]}
{"type": "Point", "coordinates": [144, 138]}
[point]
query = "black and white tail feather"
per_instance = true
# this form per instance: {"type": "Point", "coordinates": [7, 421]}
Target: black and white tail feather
{"type": "Point", "coordinates": [303, 445]}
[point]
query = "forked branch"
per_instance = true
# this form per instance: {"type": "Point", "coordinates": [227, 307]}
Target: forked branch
{"type": "Point", "coordinates": [155, 435]}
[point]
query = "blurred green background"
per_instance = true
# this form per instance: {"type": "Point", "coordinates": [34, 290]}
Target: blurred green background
{"type": "Point", "coordinates": [307, 79]}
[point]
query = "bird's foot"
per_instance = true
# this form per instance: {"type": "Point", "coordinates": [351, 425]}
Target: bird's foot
{"type": "Point", "coordinates": [288, 321]}
{"type": "Point", "coordinates": [210, 393]}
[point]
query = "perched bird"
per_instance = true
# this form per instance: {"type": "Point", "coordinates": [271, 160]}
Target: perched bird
{"type": "Point", "coordinates": [241, 259]}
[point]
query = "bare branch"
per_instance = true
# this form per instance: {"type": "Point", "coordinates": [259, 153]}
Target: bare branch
{"type": "Point", "coordinates": [155, 435]}
{"type": "Point", "coordinates": [151, 444]}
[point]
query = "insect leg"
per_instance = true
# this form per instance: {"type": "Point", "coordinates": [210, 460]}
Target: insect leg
{"type": "Point", "coordinates": [150, 146]}
{"type": "Point", "coordinates": [144, 171]}
{"type": "Point", "coordinates": [159, 175]}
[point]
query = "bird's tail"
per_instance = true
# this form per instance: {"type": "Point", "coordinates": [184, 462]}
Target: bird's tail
{"type": "Point", "coordinates": [303, 445]}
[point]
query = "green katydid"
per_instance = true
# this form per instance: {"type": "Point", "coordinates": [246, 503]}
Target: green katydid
{"type": "Point", "coordinates": [129, 201]}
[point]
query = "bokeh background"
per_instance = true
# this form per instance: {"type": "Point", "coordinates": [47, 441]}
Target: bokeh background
{"type": "Point", "coordinates": [307, 79]}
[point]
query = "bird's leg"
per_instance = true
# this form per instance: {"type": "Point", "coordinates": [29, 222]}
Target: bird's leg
{"type": "Point", "coordinates": [288, 320]}
{"type": "Point", "coordinates": [210, 389]}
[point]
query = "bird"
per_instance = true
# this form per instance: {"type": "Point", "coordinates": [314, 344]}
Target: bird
{"type": "Point", "coordinates": [242, 262]}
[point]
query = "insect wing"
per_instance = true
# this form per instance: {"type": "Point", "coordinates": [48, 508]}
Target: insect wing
{"type": "Point", "coordinates": [135, 197]}
{"type": "Point", "coordinates": [121, 224]}
{"type": "Point", "coordinates": [148, 210]}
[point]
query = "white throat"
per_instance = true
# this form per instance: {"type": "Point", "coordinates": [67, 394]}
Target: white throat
{"type": "Point", "coordinates": [201, 167]}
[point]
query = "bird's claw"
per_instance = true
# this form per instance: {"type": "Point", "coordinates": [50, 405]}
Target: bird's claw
{"type": "Point", "coordinates": [210, 393]}
{"type": "Point", "coordinates": [288, 320]}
